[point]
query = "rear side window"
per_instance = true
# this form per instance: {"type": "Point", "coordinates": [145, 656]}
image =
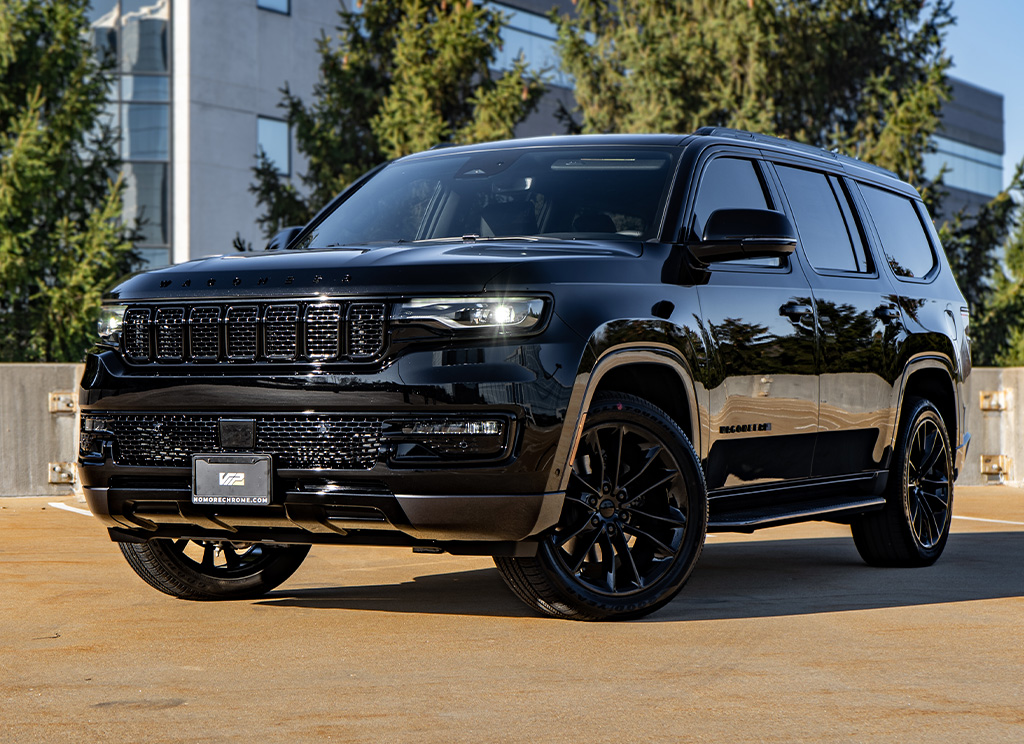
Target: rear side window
{"type": "Point", "coordinates": [830, 237]}
{"type": "Point", "coordinates": [731, 183]}
{"type": "Point", "coordinates": [904, 240]}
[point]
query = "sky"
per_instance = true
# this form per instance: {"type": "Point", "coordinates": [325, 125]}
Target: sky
{"type": "Point", "coordinates": [984, 42]}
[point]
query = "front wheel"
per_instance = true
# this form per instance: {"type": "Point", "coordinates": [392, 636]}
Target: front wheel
{"type": "Point", "coordinates": [191, 569]}
{"type": "Point", "coordinates": [633, 523]}
{"type": "Point", "coordinates": [913, 527]}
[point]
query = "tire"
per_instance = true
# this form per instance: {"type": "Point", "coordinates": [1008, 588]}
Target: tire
{"type": "Point", "coordinates": [633, 523]}
{"type": "Point", "coordinates": [912, 529]}
{"type": "Point", "coordinates": [213, 570]}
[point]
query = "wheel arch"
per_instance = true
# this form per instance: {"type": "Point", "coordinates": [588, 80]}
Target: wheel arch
{"type": "Point", "coordinates": [931, 377]}
{"type": "Point", "coordinates": [652, 371]}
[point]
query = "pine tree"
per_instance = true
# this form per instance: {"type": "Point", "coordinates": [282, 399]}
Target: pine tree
{"type": "Point", "coordinates": [864, 76]}
{"type": "Point", "coordinates": [61, 240]}
{"type": "Point", "coordinates": [400, 76]}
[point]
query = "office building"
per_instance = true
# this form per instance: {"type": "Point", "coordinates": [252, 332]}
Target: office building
{"type": "Point", "coordinates": [198, 86]}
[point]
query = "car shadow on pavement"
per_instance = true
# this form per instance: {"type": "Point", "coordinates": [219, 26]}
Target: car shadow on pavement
{"type": "Point", "coordinates": [762, 578]}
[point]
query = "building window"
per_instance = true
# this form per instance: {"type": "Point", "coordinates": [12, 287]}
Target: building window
{"type": "Point", "coordinates": [969, 168]}
{"type": "Point", "coordinates": [272, 139]}
{"type": "Point", "coordinates": [134, 35]}
{"type": "Point", "coordinates": [278, 6]}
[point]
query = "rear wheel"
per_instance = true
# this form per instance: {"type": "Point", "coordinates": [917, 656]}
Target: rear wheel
{"type": "Point", "coordinates": [213, 569]}
{"type": "Point", "coordinates": [633, 523]}
{"type": "Point", "coordinates": [913, 527]}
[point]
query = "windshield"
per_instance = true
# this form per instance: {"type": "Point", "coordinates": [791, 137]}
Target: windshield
{"type": "Point", "coordinates": [604, 192]}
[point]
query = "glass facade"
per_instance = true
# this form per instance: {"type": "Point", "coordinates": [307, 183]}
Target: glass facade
{"type": "Point", "coordinates": [532, 36]}
{"type": "Point", "coordinates": [968, 168]}
{"type": "Point", "coordinates": [136, 34]}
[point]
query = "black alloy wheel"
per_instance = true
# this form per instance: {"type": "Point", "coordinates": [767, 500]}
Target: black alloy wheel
{"type": "Point", "coordinates": [208, 569]}
{"type": "Point", "coordinates": [632, 524]}
{"type": "Point", "coordinates": [913, 527]}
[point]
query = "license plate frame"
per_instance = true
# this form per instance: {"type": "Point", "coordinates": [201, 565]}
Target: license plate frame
{"type": "Point", "coordinates": [233, 480]}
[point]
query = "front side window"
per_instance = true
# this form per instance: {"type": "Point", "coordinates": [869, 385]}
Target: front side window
{"type": "Point", "coordinates": [606, 193]}
{"type": "Point", "coordinates": [731, 183]}
{"type": "Point", "coordinates": [903, 236]}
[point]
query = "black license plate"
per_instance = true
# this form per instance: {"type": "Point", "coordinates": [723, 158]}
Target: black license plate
{"type": "Point", "coordinates": [231, 479]}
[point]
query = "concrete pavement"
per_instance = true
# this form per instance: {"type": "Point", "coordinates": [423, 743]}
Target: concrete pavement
{"type": "Point", "coordinates": [780, 636]}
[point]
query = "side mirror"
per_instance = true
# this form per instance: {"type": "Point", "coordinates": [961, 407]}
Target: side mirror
{"type": "Point", "coordinates": [283, 238]}
{"type": "Point", "coordinates": [744, 233]}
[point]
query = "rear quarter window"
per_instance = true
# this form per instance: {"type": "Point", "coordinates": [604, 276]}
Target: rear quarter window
{"type": "Point", "coordinates": [903, 236]}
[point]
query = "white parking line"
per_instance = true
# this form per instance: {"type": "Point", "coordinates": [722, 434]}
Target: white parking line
{"type": "Point", "coordinates": [74, 509]}
{"type": "Point", "coordinates": [994, 521]}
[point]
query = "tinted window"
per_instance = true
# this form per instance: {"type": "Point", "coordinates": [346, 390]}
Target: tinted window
{"type": "Point", "coordinates": [831, 239]}
{"type": "Point", "coordinates": [902, 234]}
{"type": "Point", "coordinates": [728, 183]}
{"type": "Point", "coordinates": [731, 183]}
{"type": "Point", "coordinates": [601, 193]}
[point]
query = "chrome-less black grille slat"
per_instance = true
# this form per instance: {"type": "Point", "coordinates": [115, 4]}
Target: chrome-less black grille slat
{"type": "Point", "coordinates": [334, 441]}
{"type": "Point", "coordinates": [204, 333]}
{"type": "Point", "coordinates": [304, 331]}
{"type": "Point", "coordinates": [170, 334]}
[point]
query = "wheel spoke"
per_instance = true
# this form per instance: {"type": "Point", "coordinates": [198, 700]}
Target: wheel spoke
{"type": "Point", "coordinates": [625, 551]}
{"type": "Point", "coordinates": [208, 555]}
{"type": "Point", "coordinates": [618, 457]}
{"type": "Point", "coordinates": [679, 521]}
{"type": "Point", "coordinates": [595, 446]}
{"type": "Point", "coordinates": [933, 450]}
{"type": "Point", "coordinates": [231, 557]}
{"type": "Point", "coordinates": [672, 474]}
{"type": "Point", "coordinates": [571, 534]}
{"type": "Point", "coordinates": [609, 562]}
{"type": "Point", "coordinates": [634, 530]}
{"type": "Point", "coordinates": [652, 453]}
{"type": "Point", "coordinates": [585, 484]}
{"type": "Point", "coordinates": [578, 556]}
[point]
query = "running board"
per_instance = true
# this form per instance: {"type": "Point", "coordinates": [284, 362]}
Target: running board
{"type": "Point", "coordinates": [747, 519]}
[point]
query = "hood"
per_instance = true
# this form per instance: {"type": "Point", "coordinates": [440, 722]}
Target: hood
{"type": "Point", "coordinates": [386, 269]}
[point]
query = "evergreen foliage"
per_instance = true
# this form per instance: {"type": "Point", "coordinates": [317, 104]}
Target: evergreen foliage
{"type": "Point", "coordinates": [61, 240]}
{"type": "Point", "coordinates": [866, 76]}
{"type": "Point", "coordinates": [400, 76]}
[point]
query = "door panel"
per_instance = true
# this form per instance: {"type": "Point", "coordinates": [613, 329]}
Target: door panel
{"type": "Point", "coordinates": [759, 328]}
{"type": "Point", "coordinates": [858, 319]}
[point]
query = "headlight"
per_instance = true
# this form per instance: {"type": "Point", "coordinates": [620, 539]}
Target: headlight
{"type": "Point", "coordinates": [500, 314]}
{"type": "Point", "coordinates": [110, 323]}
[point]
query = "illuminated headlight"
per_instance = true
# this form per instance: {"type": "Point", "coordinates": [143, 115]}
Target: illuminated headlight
{"type": "Point", "coordinates": [503, 315]}
{"type": "Point", "coordinates": [110, 323]}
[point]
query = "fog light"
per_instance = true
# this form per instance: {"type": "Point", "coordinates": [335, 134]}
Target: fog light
{"type": "Point", "coordinates": [453, 428]}
{"type": "Point", "coordinates": [446, 439]}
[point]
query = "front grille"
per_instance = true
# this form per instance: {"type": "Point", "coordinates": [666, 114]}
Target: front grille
{"type": "Point", "coordinates": [312, 331]}
{"type": "Point", "coordinates": [335, 441]}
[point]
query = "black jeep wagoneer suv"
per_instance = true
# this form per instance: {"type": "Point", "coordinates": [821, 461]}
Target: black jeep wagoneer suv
{"type": "Point", "coordinates": [575, 354]}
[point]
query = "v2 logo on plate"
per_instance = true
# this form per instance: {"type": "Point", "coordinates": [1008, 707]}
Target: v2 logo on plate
{"type": "Point", "coordinates": [231, 479]}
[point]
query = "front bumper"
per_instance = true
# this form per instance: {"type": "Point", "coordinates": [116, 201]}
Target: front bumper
{"type": "Point", "coordinates": [379, 490]}
{"type": "Point", "coordinates": [480, 524]}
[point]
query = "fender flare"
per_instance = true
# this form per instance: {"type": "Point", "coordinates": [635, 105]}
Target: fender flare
{"type": "Point", "coordinates": [587, 383]}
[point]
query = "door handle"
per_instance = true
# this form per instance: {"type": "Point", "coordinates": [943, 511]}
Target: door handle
{"type": "Point", "coordinates": [887, 313]}
{"type": "Point", "coordinates": [795, 311]}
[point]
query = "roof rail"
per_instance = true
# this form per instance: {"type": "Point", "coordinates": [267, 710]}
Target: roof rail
{"type": "Point", "coordinates": [768, 139]}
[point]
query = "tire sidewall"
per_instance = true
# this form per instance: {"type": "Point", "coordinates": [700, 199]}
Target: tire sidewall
{"type": "Point", "coordinates": [922, 412]}
{"type": "Point", "coordinates": [637, 414]}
